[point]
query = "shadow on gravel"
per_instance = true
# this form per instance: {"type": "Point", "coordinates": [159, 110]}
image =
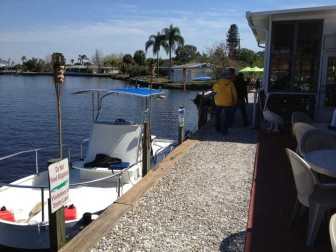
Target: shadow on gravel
{"type": "Point", "coordinates": [233, 243]}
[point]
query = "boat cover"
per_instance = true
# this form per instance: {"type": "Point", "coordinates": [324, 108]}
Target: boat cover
{"type": "Point", "coordinates": [143, 92]}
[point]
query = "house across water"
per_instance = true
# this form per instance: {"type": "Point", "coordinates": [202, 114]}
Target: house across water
{"type": "Point", "coordinates": [300, 59]}
{"type": "Point", "coordinates": [195, 71]}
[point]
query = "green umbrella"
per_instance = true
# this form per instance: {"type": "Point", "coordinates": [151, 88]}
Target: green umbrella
{"type": "Point", "coordinates": [257, 69]}
{"type": "Point", "coordinates": [246, 69]}
{"type": "Point", "coordinates": [252, 69]}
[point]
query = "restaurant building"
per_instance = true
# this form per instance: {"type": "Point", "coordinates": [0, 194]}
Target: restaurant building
{"type": "Point", "coordinates": [300, 59]}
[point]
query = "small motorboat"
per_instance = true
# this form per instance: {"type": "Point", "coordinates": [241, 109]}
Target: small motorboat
{"type": "Point", "coordinates": [111, 166]}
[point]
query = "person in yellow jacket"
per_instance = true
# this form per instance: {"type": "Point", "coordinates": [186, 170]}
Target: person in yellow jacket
{"type": "Point", "coordinates": [225, 100]}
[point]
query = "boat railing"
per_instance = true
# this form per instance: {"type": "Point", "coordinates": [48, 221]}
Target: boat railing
{"type": "Point", "coordinates": [81, 147]}
{"type": "Point", "coordinates": [154, 156]}
{"type": "Point", "coordinates": [37, 154]}
{"type": "Point", "coordinates": [163, 154]}
{"type": "Point", "coordinates": [46, 187]}
{"type": "Point", "coordinates": [71, 185]}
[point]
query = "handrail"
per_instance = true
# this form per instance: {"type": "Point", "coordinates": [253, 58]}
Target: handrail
{"type": "Point", "coordinates": [42, 187]}
{"type": "Point", "coordinates": [36, 154]}
{"type": "Point", "coordinates": [73, 185]}
{"type": "Point", "coordinates": [27, 151]}
{"type": "Point", "coordinates": [81, 147]}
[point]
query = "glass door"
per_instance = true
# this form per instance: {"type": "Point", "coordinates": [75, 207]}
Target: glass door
{"type": "Point", "coordinates": [327, 92]}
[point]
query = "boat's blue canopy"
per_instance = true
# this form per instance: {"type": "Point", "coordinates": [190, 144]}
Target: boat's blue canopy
{"type": "Point", "coordinates": [100, 94]}
{"type": "Point", "coordinates": [143, 92]}
{"type": "Point", "coordinates": [202, 78]}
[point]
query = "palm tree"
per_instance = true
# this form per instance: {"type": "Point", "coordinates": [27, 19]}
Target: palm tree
{"type": "Point", "coordinates": [24, 59]}
{"type": "Point", "coordinates": [81, 58]}
{"type": "Point", "coordinates": [127, 59]}
{"type": "Point", "coordinates": [156, 41]}
{"type": "Point", "coordinates": [173, 40]}
{"type": "Point", "coordinates": [139, 57]}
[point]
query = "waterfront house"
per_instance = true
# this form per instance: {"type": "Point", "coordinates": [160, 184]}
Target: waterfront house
{"type": "Point", "coordinates": [194, 70]}
{"type": "Point", "coordinates": [300, 59]}
{"type": "Point", "coordinates": [91, 69]}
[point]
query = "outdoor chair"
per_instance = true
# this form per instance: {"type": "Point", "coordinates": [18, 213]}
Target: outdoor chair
{"type": "Point", "coordinates": [300, 117]}
{"type": "Point", "coordinates": [315, 139]}
{"type": "Point", "coordinates": [298, 129]}
{"type": "Point", "coordinates": [332, 232]}
{"type": "Point", "coordinates": [311, 194]}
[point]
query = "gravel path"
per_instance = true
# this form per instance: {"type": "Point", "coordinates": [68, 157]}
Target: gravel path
{"type": "Point", "coordinates": [200, 204]}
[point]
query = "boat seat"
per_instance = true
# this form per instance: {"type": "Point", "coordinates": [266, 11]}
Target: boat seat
{"type": "Point", "coordinates": [120, 166]}
{"type": "Point", "coordinates": [114, 140]}
{"type": "Point", "coordinates": [123, 122]}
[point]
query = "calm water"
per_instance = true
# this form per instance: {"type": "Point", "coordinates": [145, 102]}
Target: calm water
{"type": "Point", "coordinates": [29, 116]}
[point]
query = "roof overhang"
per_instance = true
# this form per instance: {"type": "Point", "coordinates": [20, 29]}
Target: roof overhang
{"type": "Point", "coordinates": [259, 21]}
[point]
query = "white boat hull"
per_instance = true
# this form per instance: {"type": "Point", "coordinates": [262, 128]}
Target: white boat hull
{"type": "Point", "coordinates": [91, 198]}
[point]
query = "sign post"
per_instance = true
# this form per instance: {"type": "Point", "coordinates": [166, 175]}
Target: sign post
{"type": "Point", "coordinates": [59, 194]}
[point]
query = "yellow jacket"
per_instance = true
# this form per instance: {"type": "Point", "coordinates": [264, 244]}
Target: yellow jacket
{"type": "Point", "coordinates": [225, 93]}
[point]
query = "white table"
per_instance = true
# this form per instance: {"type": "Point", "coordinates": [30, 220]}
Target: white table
{"type": "Point", "coordinates": [322, 161]}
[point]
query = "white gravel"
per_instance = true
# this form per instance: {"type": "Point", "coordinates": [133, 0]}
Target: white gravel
{"type": "Point", "coordinates": [200, 204]}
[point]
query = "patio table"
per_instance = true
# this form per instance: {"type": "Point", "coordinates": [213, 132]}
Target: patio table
{"type": "Point", "coordinates": [322, 161]}
{"type": "Point", "coordinates": [324, 126]}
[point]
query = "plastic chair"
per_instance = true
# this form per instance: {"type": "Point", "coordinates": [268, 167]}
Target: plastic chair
{"type": "Point", "coordinates": [299, 127]}
{"type": "Point", "coordinates": [315, 139]}
{"type": "Point", "coordinates": [300, 117]}
{"type": "Point", "coordinates": [310, 194]}
{"type": "Point", "coordinates": [332, 232]}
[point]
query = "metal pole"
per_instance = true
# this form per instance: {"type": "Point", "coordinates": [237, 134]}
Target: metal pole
{"type": "Point", "coordinates": [146, 149]}
{"type": "Point", "coordinates": [42, 202]}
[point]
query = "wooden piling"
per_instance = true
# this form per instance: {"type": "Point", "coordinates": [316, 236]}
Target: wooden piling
{"type": "Point", "coordinates": [56, 229]}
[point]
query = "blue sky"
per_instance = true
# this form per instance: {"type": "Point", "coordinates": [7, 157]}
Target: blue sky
{"type": "Point", "coordinates": [37, 28]}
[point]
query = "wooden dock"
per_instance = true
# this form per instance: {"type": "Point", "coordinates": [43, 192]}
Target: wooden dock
{"type": "Point", "coordinates": [90, 236]}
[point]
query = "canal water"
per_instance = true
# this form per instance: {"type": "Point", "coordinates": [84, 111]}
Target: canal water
{"type": "Point", "coordinates": [29, 116]}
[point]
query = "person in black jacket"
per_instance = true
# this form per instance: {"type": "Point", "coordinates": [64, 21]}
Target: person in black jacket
{"type": "Point", "coordinates": [242, 99]}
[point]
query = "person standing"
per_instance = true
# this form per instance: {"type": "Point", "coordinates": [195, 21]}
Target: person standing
{"type": "Point", "coordinates": [232, 76]}
{"type": "Point", "coordinates": [225, 100]}
{"type": "Point", "coordinates": [242, 98]}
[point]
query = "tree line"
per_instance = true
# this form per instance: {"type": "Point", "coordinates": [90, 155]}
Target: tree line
{"type": "Point", "coordinates": [220, 55]}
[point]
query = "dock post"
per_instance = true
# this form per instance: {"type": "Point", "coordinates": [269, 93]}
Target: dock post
{"type": "Point", "coordinates": [56, 229]}
{"type": "Point", "coordinates": [202, 112]}
{"type": "Point", "coordinates": [180, 134]}
{"type": "Point", "coordinates": [146, 149]}
{"type": "Point", "coordinates": [181, 114]}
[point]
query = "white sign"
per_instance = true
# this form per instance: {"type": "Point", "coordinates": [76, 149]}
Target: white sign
{"type": "Point", "coordinates": [58, 184]}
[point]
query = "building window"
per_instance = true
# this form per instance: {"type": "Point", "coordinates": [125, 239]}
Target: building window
{"type": "Point", "coordinates": [295, 54]}
{"type": "Point", "coordinates": [330, 97]}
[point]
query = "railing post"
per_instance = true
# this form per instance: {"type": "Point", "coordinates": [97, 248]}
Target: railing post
{"type": "Point", "coordinates": [42, 201]}
{"type": "Point", "coordinates": [36, 161]}
{"type": "Point", "coordinates": [119, 183]}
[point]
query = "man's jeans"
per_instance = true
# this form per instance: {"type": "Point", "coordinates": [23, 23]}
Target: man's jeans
{"type": "Point", "coordinates": [223, 118]}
